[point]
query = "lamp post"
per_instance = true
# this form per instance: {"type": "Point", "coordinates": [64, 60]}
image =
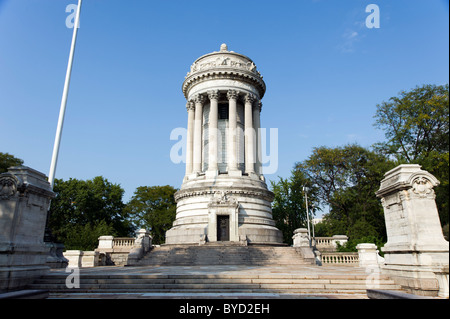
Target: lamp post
{"type": "Point", "coordinates": [313, 233]}
{"type": "Point", "coordinates": [306, 190]}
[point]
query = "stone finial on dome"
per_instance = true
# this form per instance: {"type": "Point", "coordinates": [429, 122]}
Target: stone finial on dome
{"type": "Point", "coordinates": [223, 47]}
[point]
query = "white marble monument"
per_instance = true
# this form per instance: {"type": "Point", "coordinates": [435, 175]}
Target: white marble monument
{"type": "Point", "coordinates": [224, 196]}
{"type": "Point", "coordinates": [416, 250]}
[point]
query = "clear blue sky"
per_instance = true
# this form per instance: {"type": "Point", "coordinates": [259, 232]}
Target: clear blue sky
{"type": "Point", "coordinates": [325, 72]}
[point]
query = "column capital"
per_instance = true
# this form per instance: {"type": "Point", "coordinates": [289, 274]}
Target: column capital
{"type": "Point", "coordinates": [232, 94]}
{"type": "Point", "coordinates": [260, 105]}
{"type": "Point", "coordinates": [213, 95]}
{"type": "Point", "coordinates": [198, 98]}
{"type": "Point", "coordinates": [190, 106]}
{"type": "Point", "coordinates": [250, 98]}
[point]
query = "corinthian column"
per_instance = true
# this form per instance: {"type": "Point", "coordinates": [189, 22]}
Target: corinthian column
{"type": "Point", "coordinates": [199, 99]}
{"type": "Point", "coordinates": [257, 121]}
{"type": "Point", "coordinates": [249, 135]}
{"type": "Point", "coordinates": [190, 106]}
{"type": "Point", "coordinates": [232, 131]}
{"type": "Point", "coordinates": [213, 122]}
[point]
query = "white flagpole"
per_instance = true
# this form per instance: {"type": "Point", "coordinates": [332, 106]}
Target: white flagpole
{"type": "Point", "coordinates": [51, 177]}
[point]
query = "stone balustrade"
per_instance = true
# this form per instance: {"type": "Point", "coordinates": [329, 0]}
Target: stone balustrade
{"type": "Point", "coordinates": [324, 241]}
{"type": "Point", "coordinates": [112, 251]}
{"type": "Point", "coordinates": [345, 259]}
{"type": "Point", "coordinates": [117, 251]}
{"type": "Point", "coordinates": [123, 242]}
{"type": "Point", "coordinates": [325, 244]}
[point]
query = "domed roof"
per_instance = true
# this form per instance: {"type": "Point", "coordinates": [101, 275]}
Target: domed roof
{"type": "Point", "coordinates": [221, 64]}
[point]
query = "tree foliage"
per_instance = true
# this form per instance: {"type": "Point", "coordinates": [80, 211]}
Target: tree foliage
{"type": "Point", "coordinates": [87, 210]}
{"type": "Point", "coordinates": [7, 161]}
{"type": "Point", "coordinates": [153, 208]}
{"type": "Point", "coordinates": [289, 206]}
{"type": "Point", "coordinates": [416, 123]}
{"type": "Point", "coordinates": [416, 126]}
{"type": "Point", "coordinates": [346, 179]}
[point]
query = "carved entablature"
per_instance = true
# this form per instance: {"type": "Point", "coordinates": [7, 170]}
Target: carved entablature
{"type": "Point", "coordinates": [262, 194]}
{"type": "Point", "coordinates": [409, 180]}
{"type": "Point", "coordinates": [9, 185]}
{"type": "Point", "coordinates": [224, 65]}
{"type": "Point", "coordinates": [223, 61]}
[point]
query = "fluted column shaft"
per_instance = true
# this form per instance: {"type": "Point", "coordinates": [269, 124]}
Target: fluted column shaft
{"type": "Point", "coordinates": [213, 129]}
{"type": "Point", "coordinates": [198, 123]}
{"type": "Point", "coordinates": [257, 126]}
{"type": "Point", "coordinates": [232, 130]}
{"type": "Point", "coordinates": [190, 137]}
{"type": "Point", "coordinates": [249, 135]}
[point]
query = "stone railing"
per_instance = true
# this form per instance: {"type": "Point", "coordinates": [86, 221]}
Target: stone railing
{"type": "Point", "coordinates": [347, 259]}
{"type": "Point", "coordinates": [324, 241]}
{"type": "Point", "coordinates": [327, 244]}
{"type": "Point", "coordinates": [123, 242]}
{"type": "Point", "coordinates": [112, 251]}
{"type": "Point", "coordinates": [117, 250]}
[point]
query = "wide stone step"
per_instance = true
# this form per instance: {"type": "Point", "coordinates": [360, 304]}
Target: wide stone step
{"type": "Point", "coordinates": [217, 283]}
{"type": "Point", "coordinates": [222, 255]}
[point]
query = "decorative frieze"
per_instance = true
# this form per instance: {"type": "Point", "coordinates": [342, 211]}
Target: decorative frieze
{"type": "Point", "coordinates": [212, 75]}
{"type": "Point", "coordinates": [260, 193]}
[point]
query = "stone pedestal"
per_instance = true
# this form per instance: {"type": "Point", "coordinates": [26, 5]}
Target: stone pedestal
{"type": "Point", "coordinates": [416, 248]}
{"type": "Point", "coordinates": [84, 259]}
{"type": "Point", "coordinates": [302, 245]}
{"type": "Point", "coordinates": [142, 245]}
{"type": "Point", "coordinates": [368, 256]}
{"type": "Point", "coordinates": [25, 196]}
{"type": "Point", "coordinates": [301, 238]}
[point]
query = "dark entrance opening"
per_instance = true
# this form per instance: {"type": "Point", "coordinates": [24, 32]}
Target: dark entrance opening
{"type": "Point", "coordinates": [223, 228]}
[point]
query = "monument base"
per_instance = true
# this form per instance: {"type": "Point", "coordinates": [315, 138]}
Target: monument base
{"type": "Point", "coordinates": [196, 234]}
{"type": "Point", "coordinates": [233, 209]}
{"type": "Point", "coordinates": [416, 271]}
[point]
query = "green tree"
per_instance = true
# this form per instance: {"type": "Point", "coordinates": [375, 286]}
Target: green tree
{"type": "Point", "coordinates": [7, 161]}
{"type": "Point", "coordinates": [153, 208]}
{"type": "Point", "coordinates": [85, 237]}
{"type": "Point", "coordinates": [288, 208]}
{"type": "Point", "coordinates": [346, 179]}
{"type": "Point", "coordinates": [416, 126]}
{"type": "Point", "coordinates": [87, 207]}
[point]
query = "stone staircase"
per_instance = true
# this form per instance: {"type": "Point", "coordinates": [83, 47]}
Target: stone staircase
{"type": "Point", "coordinates": [222, 254]}
{"type": "Point", "coordinates": [317, 281]}
{"type": "Point", "coordinates": [217, 269]}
